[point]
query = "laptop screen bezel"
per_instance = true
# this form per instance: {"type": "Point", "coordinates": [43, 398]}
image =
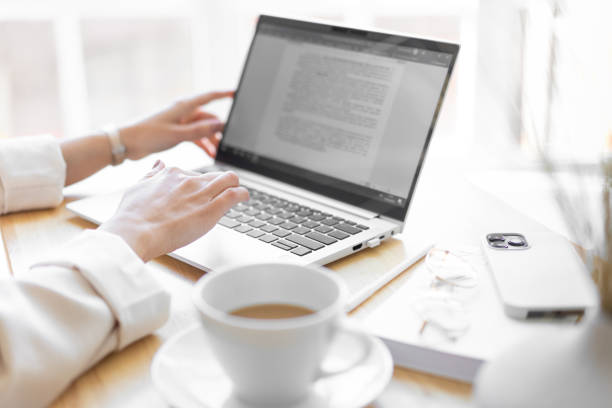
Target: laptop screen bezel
{"type": "Point", "coordinates": [319, 183]}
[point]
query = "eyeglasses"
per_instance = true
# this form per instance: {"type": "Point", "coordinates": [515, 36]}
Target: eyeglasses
{"type": "Point", "coordinates": [443, 313]}
{"type": "Point", "coordinates": [450, 268]}
{"type": "Point", "coordinates": [454, 280]}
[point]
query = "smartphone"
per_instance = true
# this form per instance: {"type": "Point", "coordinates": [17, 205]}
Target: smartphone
{"type": "Point", "coordinates": [538, 275]}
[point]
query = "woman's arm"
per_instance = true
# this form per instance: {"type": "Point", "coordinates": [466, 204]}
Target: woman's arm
{"type": "Point", "coordinates": [96, 295]}
{"type": "Point", "coordinates": [183, 121]}
{"type": "Point", "coordinates": [64, 315]}
{"type": "Point", "coordinates": [34, 170]}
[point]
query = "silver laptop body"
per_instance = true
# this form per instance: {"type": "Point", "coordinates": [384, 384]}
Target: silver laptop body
{"type": "Point", "coordinates": [328, 130]}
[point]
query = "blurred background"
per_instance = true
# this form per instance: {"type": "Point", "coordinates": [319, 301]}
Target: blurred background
{"type": "Point", "coordinates": [532, 75]}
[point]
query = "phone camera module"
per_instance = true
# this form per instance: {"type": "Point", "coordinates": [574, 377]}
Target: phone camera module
{"type": "Point", "coordinates": [507, 241]}
{"type": "Point", "coordinates": [496, 238]}
{"type": "Point", "coordinates": [516, 242]}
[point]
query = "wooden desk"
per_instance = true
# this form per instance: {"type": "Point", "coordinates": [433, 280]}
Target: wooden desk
{"type": "Point", "coordinates": [123, 379]}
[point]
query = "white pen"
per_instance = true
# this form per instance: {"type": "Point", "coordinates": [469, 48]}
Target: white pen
{"type": "Point", "coordinates": [365, 293]}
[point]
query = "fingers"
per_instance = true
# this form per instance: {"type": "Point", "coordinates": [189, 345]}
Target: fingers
{"type": "Point", "coordinates": [201, 129]}
{"type": "Point", "coordinates": [220, 183]}
{"type": "Point", "coordinates": [183, 173]}
{"type": "Point", "coordinates": [185, 106]}
{"type": "Point", "coordinates": [157, 167]}
{"type": "Point", "coordinates": [226, 200]}
{"type": "Point", "coordinates": [211, 175]}
{"type": "Point", "coordinates": [197, 114]}
{"type": "Point", "coordinates": [203, 99]}
{"type": "Point", "coordinates": [210, 184]}
{"type": "Point", "coordinates": [206, 145]}
{"type": "Point", "coordinates": [216, 139]}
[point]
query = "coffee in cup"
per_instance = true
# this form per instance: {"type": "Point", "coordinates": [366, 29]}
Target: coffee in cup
{"type": "Point", "coordinates": [272, 311]}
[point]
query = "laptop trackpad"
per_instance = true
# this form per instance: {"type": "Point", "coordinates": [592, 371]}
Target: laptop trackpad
{"type": "Point", "coordinates": [222, 247]}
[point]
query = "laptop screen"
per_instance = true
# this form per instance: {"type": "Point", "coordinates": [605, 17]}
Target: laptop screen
{"type": "Point", "coordinates": [341, 112]}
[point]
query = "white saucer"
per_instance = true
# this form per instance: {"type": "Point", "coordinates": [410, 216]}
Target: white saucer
{"type": "Point", "coordinates": [187, 374]}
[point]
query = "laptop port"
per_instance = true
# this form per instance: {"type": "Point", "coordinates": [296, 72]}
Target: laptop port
{"type": "Point", "coordinates": [356, 247]}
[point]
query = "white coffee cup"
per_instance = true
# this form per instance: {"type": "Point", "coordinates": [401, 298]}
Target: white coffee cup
{"type": "Point", "coordinates": [274, 361]}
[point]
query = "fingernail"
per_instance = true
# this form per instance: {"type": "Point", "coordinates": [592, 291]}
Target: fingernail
{"type": "Point", "coordinates": [156, 163]}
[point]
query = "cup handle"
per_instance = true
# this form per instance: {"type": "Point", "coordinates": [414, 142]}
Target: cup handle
{"type": "Point", "coordinates": [366, 351]}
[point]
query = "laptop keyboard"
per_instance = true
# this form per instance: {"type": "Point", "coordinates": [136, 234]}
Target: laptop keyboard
{"type": "Point", "coordinates": [288, 225]}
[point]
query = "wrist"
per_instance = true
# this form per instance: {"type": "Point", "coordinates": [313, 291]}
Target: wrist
{"type": "Point", "coordinates": [135, 237]}
{"type": "Point", "coordinates": [130, 136]}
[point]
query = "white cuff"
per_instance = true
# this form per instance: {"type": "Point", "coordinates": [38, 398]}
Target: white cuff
{"type": "Point", "coordinates": [119, 276]}
{"type": "Point", "coordinates": [32, 173]}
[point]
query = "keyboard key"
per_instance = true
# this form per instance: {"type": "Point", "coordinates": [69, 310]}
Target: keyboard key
{"type": "Point", "coordinates": [304, 213]}
{"type": "Point", "coordinates": [228, 222]}
{"type": "Point", "coordinates": [324, 229]}
{"type": "Point", "coordinates": [338, 219]}
{"type": "Point", "coordinates": [348, 228]}
{"type": "Point", "coordinates": [287, 243]}
{"type": "Point", "coordinates": [276, 221]}
{"type": "Point", "coordinates": [310, 224]}
{"type": "Point", "coordinates": [269, 228]}
{"type": "Point", "coordinates": [268, 238]}
{"type": "Point", "coordinates": [263, 217]}
{"type": "Point", "coordinates": [252, 212]}
{"type": "Point", "coordinates": [297, 220]}
{"type": "Point", "coordinates": [261, 207]}
{"type": "Point", "coordinates": [241, 207]}
{"type": "Point", "coordinates": [363, 227]}
{"type": "Point", "coordinates": [327, 240]}
{"type": "Point", "coordinates": [257, 224]}
{"type": "Point", "coordinates": [349, 222]}
{"type": "Point", "coordinates": [308, 243]}
{"type": "Point", "coordinates": [301, 230]}
{"type": "Point", "coordinates": [281, 233]}
{"type": "Point", "coordinates": [281, 246]}
{"type": "Point", "coordinates": [301, 251]}
{"type": "Point", "coordinates": [317, 217]}
{"type": "Point", "coordinates": [244, 218]}
{"type": "Point", "coordinates": [233, 214]}
{"type": "Point", "coordinates": [281, 204]}
{"type": "Point", "coordinates": [275, 211]}
{"type": "Point", "coordinates": [288, 225]}
{"type": "Point", "coordinates": [256, 233]}
{"type": "Point", "coordinates": [243, 228]}
{"type": "Point", "coordinates": [338, 234]}
{"type": "Point", "coordinates": [329, 221]}
{"type": "Point", "coordinates": [285, 215]}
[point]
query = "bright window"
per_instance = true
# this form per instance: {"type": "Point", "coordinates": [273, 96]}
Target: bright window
{"type": "Point", "coordinates": [68, 67]}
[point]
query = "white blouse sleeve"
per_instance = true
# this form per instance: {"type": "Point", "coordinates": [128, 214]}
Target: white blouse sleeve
{"type": "Point", "coordinates": [32, 173]}
{"type": "Point", "coordinates": [65, 314]}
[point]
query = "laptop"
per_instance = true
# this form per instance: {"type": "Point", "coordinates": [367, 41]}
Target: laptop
{"type": "Point", "coordinates": [328, 130]}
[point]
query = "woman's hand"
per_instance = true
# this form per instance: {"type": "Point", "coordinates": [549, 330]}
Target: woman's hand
{"type": "Point", "coordinates": [170, 208]}
{"type": "Point", "coordinates": [182, 121]}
